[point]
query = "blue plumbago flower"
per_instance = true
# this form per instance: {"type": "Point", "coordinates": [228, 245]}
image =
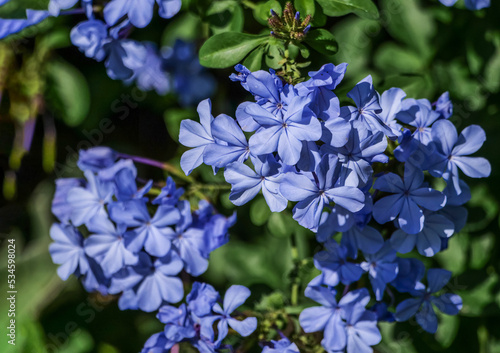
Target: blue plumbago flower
{"type": "Point", "coordinates": [151, 233]}
{"type": "Point", "coordinates": [169, 194]}
{"type": "Point", "coordinates": [96, 158]}
{"type": "Point", "coordinates": [382, 268]}
{"type": "Point", "coordinates": [90, 36]}
{"type": "Point", "coordinates": [318, 189]}
{"type": "Point", "coordinates": [452, 153]}
{"type": "Point", "coordinates": [357, 155]}
{"type": "Point", "coordinates": [470, 4]}
{"type": "Point", "coordinates": [418, 113]}
{"type": "Point", "coordinates": [269, 92]}
{"type": "Point", "coordinates": [284, 134]}
{"type": "Point", "coordinates": [241, 76]}
{"type": "Point", "coordinates": [231, 144]}
{"type": "Point", "coordinates": [444, 106]}
{"type": "Point", "coordinates": [216, 232]}
{"type": "Point", "coordinates": [10, 26]}
{"type": "Point", "coordinates": [452, 210]}
{"type": "Point", "coordinates": [421, 305]}
{"type": "Point", "coordinates": [320, 85]}
{"type": "Point", "coordinates": [67, 251]}
{"type": "Point", "coordinates": [157, 343]}
{"type": "Point", "coordinates": [55, 6]}
{"type": "Point", "coordinates": [60, 206]}
{"type": "Point", "coordinates": [246, 183]}
{"type": "Point", "coordinates": [197, 135]}
{"type": "Point", "coordinates": [334, 265]}
{"type": "Point", "coordinates": [410, 272]}
{"type": "Point", "coordinates": [107, 246]}
{"type": "Point", "coordinates": [123, 173]}
{"type": "Point", "coordinates": [150, 283]}
{"type": "Point", "coordinates": [282, 346]}
{"type": "Point", "coordinates": [428, 240]}
{"type": "Point", "coordinates": [88, 202]}
{"type": "Point", "coordinates": [178, 325]}
{"type": "Point", "coordinates": [189, 242]}
{"type": "Point", "coordinates": [202, 298]}
{"type": "Point", "coordinates": [408, 198]}
{"type": "Point", "coordinates": [391, 104]}
{"type": "Point", "coordinates": [359, 330]}
{"type": "Point", "coordinates": [367, 108]}
{"type": "Point", "coordinates": [139, 12]}
{"type": "Point", "coordinates": [362, 237]}
{"type": "Point", "coordinates": [235, 296]}
{"type": "Point", "coordinates": [123, 58]}
{"type": "Point", "coordinates": [383, 314]}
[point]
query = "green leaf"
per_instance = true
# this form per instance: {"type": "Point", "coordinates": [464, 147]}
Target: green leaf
{"type": "Point", "coordinates": [229, 48]}
{"type": "Point", "coordinates": [70, 90]}
{"type": "Point", "coordinates": [410, 24]}
{"type": "Point", "coordinates": [447, 329]}
{"type": "Point", "coordinates": [305, 7]}
{"type": "Point", "coordinates": [362, 8]}
{"type": "Point", "coordinates": [225, 16]}
{"type": "Point", "coordinates": [263, 10]}
{"type": "Point", "coordinates": [322, 41]}
{"type": "Point", "coordinates": [173, 118]}
{"type": "Point", "coordinates": [186, 27]}
{"type": "Point", "coordinates": [391, 58]}
{"type": "Point", "coordinates": [253, 62]}
{"type": "Point", "coordinates": [274, 55]}
{"type": "Point", "coordinates": [280, 224]}
{"type": "Point", "coordinates": [259, 212]}
{"type": "Point", "coordinates": [481, 249]}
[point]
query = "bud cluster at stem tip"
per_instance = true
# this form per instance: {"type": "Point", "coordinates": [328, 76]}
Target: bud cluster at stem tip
{"type": "Point", "coordinates": [290, 25]}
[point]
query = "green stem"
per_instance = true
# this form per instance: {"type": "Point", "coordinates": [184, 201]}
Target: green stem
{"type": "Point", "coordinates": [249, 4]}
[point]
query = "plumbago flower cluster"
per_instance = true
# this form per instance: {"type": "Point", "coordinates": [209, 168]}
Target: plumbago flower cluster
{"type": "Point", "coordinates": [174, 69]}
{"type": "Point", "coordinates": [133, 245]}
{"type": "Point", "coordinates": [361, 170]}
{"type": "Point", "coordinates": [470, 4]}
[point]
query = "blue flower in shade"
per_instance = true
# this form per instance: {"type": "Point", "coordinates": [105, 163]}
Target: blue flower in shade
{"type": "Point", "coordinates": [199, 136]}
{"type": "Point", "coordinates": [235, 296]}
{"type": "Point", "coordinates": [407, 200]}
{"type": "Point", "coordinates": [282, 346]}
{"type": "Point", "coordinates": [428, 240]}
{"type": "Point", "coordinates": [202, 298]}
{"type": "Point", "coordinates": [150, 75]}
{"type": "Point", "coordinates": [67, 251]}
{"type": "Point", "coordinates": [191, 81]}
{"type": "Point", "coordinates": [359, 330]}
{"type": "Point", "coordinates": [284, 134]}
{"type": "Point", "coordinates": [410, 272]}
{"type": "Point", "coordinates": [216, 232]}
{"type": "Point", "coordinates": [96, 158]}
{"type": "Point", "coordinates": [189, 242]}
{"type": "Point", "coordinates": [453, 210]}
{"type": "Point", "coordinates": [139, 12]}
{"type": "Point", "coordinates": [452, 153]}
{"type": "Point", "coordinates": [318, 190]}
{"type": "Point", "coordinates": [241, 76]}
{"type": "Point", "coordinates": [419, 113]}
{"type": "Point", "coordinates": [150, 283]}
{"type": "Point", "coordinates": [10, 26]}
{"type": "Point", "coordinates": [123, 58]}
{"type": "Point", "coordinates": [365, 238]}
{"type": "Point", "coordinates": [421, 305]}
{"type": "Point", "coordinates": [60, 206]}
{"type": "Point", "coordinates": [231, 144]}
{"type": "Point", "coordinates": [391, 103]}
{"type": "Point", "coordinates": [151, 233]}
{"type": "Point", "coordinates": [357, 155]}
{"type": "Point", "coordinates": [88, 203]}
{"type": "Point", "coordinates": [367, 108]}
{"type": "Point", "coordinates": [246, 183]}
{"type": "Point", "coordinates": [107, 245]}
{"type": "Point", "coordinates": [470, 4]}
{"type": "Point", "coordinates": [382, 269]}
{"type": "Point", "coordinates": [444, 106]}
{"type": "Point", "coordinates": [90, 36]}
{"type": "Point", "coordinates": [178, 325]}
{"type": "Point", "coordinates": [334, 265]}
{"type": "Point", "coordinates": [124, 174]}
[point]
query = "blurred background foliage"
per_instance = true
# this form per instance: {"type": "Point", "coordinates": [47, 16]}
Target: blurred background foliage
{"type": "Point", "coordinates": [51, 88]}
